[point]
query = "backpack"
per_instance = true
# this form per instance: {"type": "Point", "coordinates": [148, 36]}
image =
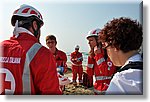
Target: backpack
{"type": "Point", "coordinates": [86, 81]}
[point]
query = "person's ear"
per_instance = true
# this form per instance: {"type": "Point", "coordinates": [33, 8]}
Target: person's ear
{"type": "Point", "coordinates": [35, 25]}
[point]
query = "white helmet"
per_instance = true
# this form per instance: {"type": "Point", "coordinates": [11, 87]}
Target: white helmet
{"type": "Point", "coordinates": [26, 11]}
{"type": "Point", "coordinates": [93, 32]}
{"type": "Point", "coordinates": [77, 47]}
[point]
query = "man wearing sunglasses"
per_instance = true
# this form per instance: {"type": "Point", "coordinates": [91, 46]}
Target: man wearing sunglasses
{"type": "Point", "coordinates": [60, 56]}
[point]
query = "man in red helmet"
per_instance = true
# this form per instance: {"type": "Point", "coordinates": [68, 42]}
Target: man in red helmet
{"type": "Point", "coordinates": [27, 67]}
{"type": "Point", "coordinates": [98, 64]}
{"type": "Point", "coordinates": [76, 59]}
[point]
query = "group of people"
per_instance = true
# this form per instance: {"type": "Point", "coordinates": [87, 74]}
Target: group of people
{"type": "Point", "coordinates": [27, 67]}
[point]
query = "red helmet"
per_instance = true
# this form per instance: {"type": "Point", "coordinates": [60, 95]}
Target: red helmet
{"type": "Point", "coordinates": [93, 32]}
{"type": "Point", "coordinates": [26, 11]}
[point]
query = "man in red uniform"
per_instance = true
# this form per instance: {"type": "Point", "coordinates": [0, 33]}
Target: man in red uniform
{"type": "Point", "coordinates": [98, 64]}
{"type": "Point", "coordinates": [60, 56]}
{"type": "Point", "coordinates": [27, 67]}
{"type": "Point", "coordinates": [76, 59]}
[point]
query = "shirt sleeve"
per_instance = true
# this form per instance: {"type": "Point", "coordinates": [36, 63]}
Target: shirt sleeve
{"type": "Point", "coordinates": [90, 66]}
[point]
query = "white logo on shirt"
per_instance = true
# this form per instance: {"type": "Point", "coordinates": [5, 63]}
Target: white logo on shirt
{"type": "Point", "coordinates": [14, 60]}
{"type": "Point", "coordinates": [7, 78]}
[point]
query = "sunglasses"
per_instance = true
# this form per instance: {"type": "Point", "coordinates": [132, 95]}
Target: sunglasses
{"type": "Point", "coordinates": [52, 42]}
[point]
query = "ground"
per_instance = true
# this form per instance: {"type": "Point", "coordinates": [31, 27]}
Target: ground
{"type": "Point", "coordinates": [70, 89]}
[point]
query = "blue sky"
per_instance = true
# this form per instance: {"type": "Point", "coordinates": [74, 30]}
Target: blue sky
{"type": "Point", "coordinates": [70, 21]}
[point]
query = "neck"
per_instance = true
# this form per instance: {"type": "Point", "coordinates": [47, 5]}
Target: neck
{"type": "Point", "coordinates": [125, 56]}
{"type": "Point", "coordinates": [53, 50]}
{"type": "Point", "coordinates": [76, 51]}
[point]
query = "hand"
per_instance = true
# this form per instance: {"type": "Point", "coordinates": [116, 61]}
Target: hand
{"type": "Point", "coordinates": [97, 50]}
{"type": "Point", "coordinates": [58, 69]}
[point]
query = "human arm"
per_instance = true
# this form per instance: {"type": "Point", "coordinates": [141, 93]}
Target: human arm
{"type": "Point", "coordinates": [73, 58]}
{"type": "Point", "coordinates": [90, 66]}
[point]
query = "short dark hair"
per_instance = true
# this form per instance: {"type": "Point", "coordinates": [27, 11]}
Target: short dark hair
{"type": "Point", "coordinates": [51, 37]}
{"type": "Point", "coordinates": [124, 34]}
{"type": "Point", "coordinates": [25, 22]}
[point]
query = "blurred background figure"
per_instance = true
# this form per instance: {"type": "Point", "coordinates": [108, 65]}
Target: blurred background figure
{"type": "Point", "coordinates": [76, 59]}
{"type": "Point", "coordinates": [60, 56]}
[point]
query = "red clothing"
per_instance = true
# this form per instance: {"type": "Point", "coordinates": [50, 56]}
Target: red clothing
{"type": "Point", "coordinates": [42, 69]}
{"type": "Point", "coordinates": [76, 59]}
{"type": "Point", "coordinates": [102, 69]}
{"type": "Point", "coordinates": [61, 59]}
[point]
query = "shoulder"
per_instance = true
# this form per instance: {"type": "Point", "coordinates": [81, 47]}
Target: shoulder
{"type": "Point", "coordinates": [44, 57]}
{"type": "Point", "coordinates": [61, 52]}
{"type": "Point", "coordinates": [130, 74]}
{"type": "Point", "coordinates": [80, 53]}
{"type": "Point", "coordinates": [73, 54]}
{"type": "Point", "coordinates": [126, 82]}
{"type": "Point", "coordinates": [8, 42]}
{"type": "Point", "coordinates": [44, 52]}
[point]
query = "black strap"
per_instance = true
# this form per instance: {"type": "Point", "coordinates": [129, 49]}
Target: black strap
{"type": "Point", "coordinates": [132, 65]}
{"type": "Point", "coordinates": [105, 54]}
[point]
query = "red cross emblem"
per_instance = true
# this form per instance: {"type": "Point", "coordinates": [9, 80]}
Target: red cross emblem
{"type": "Point", "coordinates": [4, 84]}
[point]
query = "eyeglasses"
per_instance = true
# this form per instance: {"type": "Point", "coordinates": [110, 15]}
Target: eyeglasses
{"type": "Point", "coordinates": [52, 42]}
